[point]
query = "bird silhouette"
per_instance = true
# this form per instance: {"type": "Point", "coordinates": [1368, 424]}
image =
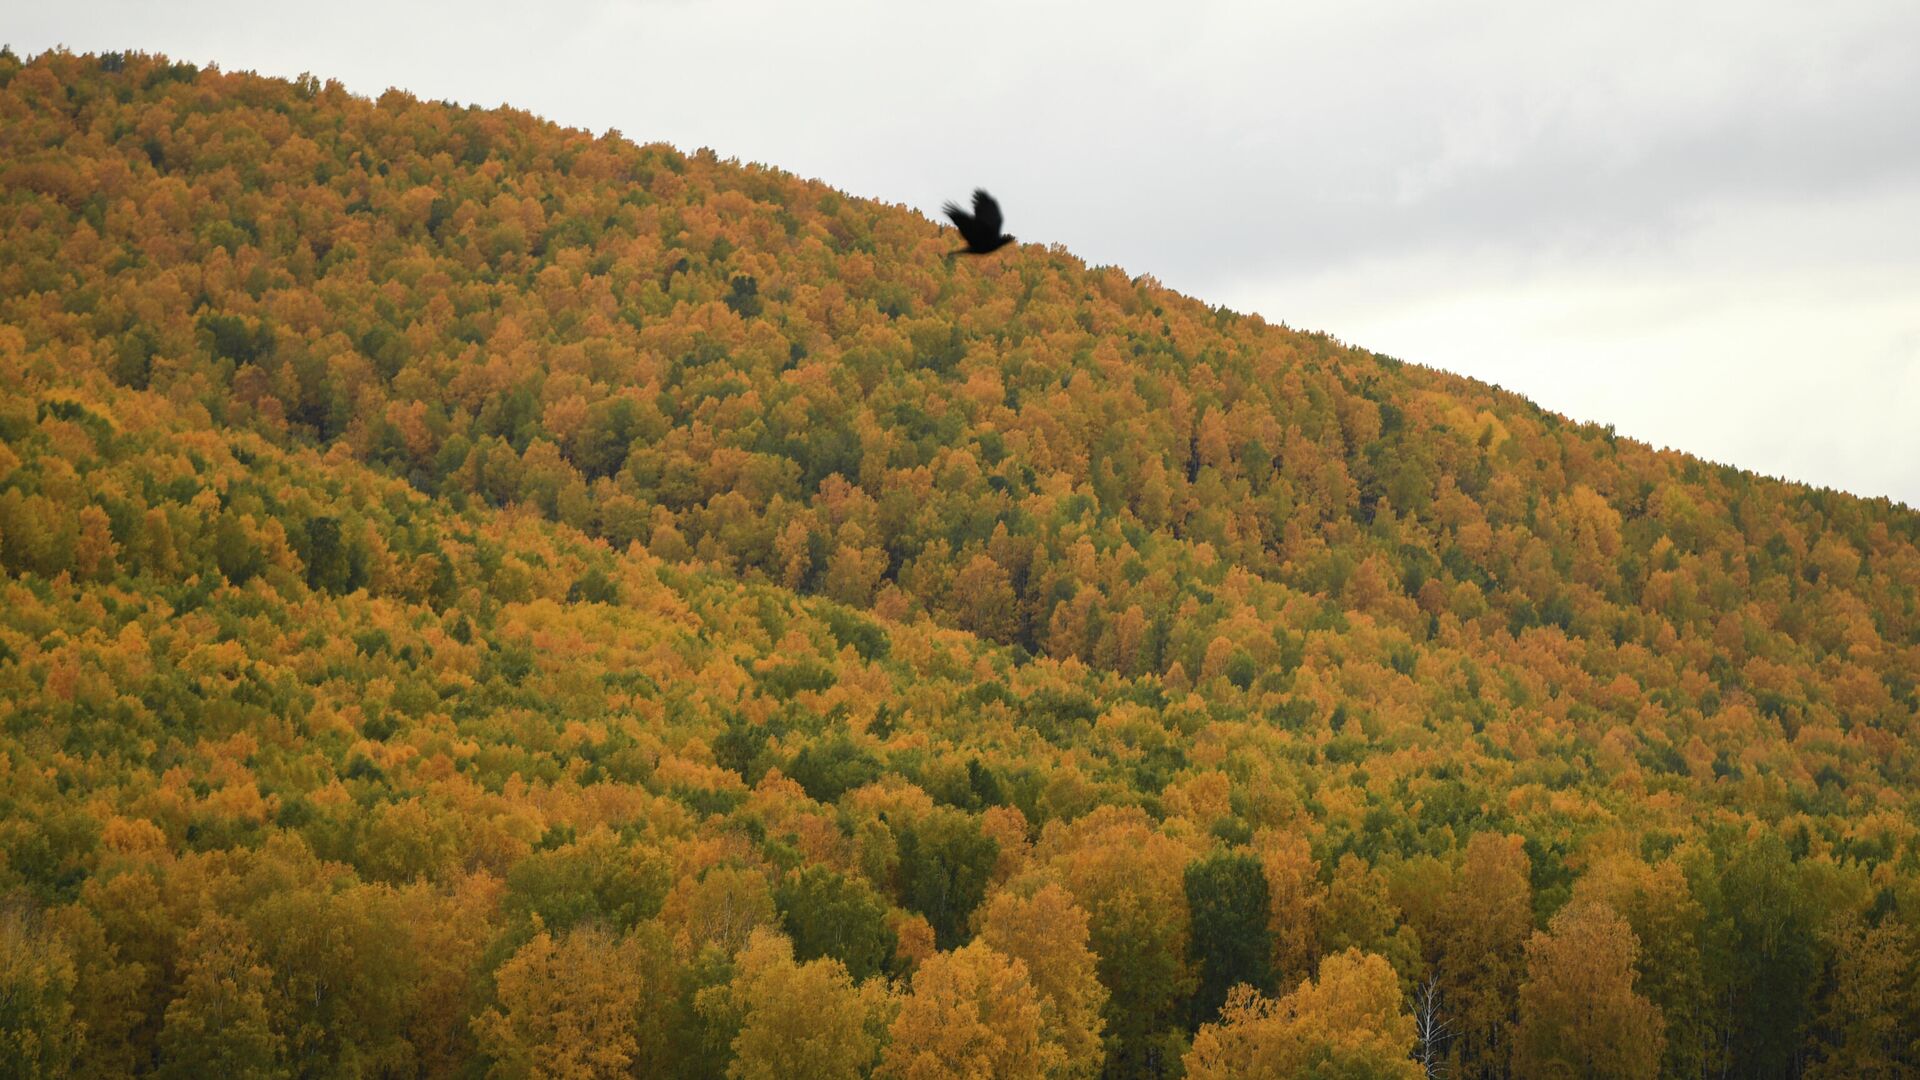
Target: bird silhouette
{"type": "Point", "coordinates": [980, 229]}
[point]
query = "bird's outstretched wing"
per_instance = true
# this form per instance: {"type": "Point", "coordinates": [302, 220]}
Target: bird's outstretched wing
{"type": "Point", "coordinates": [961, 219]}
{"type": "Point", "coordinates": [987, 213]}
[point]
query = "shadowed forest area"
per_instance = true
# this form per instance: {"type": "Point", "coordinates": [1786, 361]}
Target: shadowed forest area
{"type": "Point", "coordinates": [480, 598]}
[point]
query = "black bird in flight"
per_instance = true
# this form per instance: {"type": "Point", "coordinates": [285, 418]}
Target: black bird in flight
{"type": "Point", "coordinates": [980, 229]}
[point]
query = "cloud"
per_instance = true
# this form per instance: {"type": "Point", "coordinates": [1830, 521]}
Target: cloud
{"type": "Point", "coordinates": [1803, 371]}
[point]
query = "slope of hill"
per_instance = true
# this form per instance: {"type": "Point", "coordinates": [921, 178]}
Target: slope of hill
{"type": "Point", "coordinates": [480, 596]}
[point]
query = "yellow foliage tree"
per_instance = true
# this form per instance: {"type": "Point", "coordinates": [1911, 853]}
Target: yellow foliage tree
{"type": "Point", "coordinates": [1047, 932]}
{"type": "Point", "coordinates": [38, 1033]}
{"type": "Point", "coordinates": [1579, 1014]}
{"type": "Point", "coordinates": [1874, 1012]}
{"type": "Point", "coordinates": [721, 908]}
{"type": "Point", "coordinates": [1477, 943]}
{"type": "Point", "coordinates": [1130, 880]}
{"type": "Point", "coordinates": [221, 1024]}
{"type": "Point", "coordinates": [567, 1008]}
{"type": "Point", "coordinates": [1294, 899]}
{"type": "Point", "coordinates": [799, 1020]}
{"type": "Point", "coordinates": [972, 1013]}
{"type": "Point", "coordinates": [1350, 1022]}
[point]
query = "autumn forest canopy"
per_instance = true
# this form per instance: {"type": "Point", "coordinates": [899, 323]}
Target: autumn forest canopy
{"type": "Point", "coordinates": [483, 599]}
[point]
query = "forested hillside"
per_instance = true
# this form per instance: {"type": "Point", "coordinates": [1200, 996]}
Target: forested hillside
{"type": "Point", "coordinates": [478, 598]}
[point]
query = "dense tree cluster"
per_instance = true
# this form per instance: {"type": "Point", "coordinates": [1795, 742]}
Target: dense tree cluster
{"type": "Point", "coordinates": [476, 597]}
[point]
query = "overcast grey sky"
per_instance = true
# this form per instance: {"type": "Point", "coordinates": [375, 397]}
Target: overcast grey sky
{"type": "Point", "coordinates": [1699, 222]}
